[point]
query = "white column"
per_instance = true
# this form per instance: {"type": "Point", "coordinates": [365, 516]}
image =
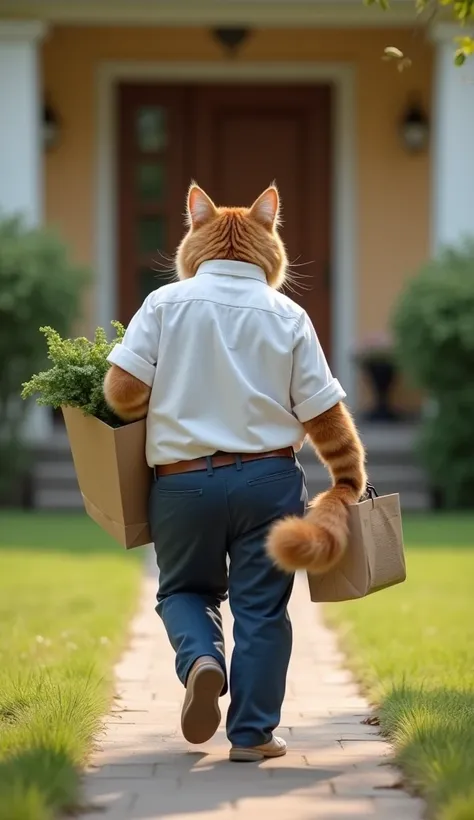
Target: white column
{"type": "Point", "coordinates": [21, 150]}
{"type": "Point", "coordinates": [453, 133]}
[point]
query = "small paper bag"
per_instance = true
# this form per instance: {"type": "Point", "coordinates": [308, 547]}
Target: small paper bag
{"type": "Point", "coordinates": [374, 558]}
{"type": "Point", "coordinates": [112, 473]}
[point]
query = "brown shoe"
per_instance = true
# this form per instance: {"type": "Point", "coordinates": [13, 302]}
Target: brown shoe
{"type": "Point", "coordinates": [200, 716]}
{"type": "Point", "coordinates": [276, 747]}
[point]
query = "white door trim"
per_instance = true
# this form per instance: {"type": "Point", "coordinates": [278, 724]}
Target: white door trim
{"type": "Point", "coordinates": [344, 251]}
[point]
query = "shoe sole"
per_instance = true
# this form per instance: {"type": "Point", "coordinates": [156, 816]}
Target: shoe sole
{"type": "Point", "coordinates": [201, 715]}
{"type": "Point", "coordinates": [253, 755]}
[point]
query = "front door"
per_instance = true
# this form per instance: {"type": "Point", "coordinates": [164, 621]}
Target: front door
{"type": "Point", "coordinates": [234, 141]}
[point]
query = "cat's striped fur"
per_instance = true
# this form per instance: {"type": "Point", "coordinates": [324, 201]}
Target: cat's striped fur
{"type": "Point", "coordinates": [317, 541]}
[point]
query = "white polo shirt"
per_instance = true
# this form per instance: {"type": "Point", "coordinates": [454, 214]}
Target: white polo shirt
{"type": "Point", "coordinates": [233, 365]}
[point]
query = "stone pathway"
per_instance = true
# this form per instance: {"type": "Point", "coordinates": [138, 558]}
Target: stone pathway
{"type": "Point", "coordinates": [336, 768]}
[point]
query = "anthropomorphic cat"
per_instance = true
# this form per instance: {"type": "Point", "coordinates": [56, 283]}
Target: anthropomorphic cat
{"type": "Point", "coordinates": [231, 377]}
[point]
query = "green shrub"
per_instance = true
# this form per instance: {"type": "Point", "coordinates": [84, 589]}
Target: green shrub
{"type": "Point", "coordinates": [433, 322]}
{"type": "Point", "coordinates": [77, 375]}
{"type": "Point", "coordinates": [446, 448]}
{"type": "Point", "coordinates": [433, 327]}
{"type": "Point", "coordinates": [38, 285]}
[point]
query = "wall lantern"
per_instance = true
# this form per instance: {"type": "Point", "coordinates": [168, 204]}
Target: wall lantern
{"type": "Point", "coordinates": [414, 129]}
{"type": "Point", "coordinates": [50, 128]}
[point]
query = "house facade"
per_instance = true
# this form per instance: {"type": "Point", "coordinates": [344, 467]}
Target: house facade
{"type": "Point", "coordinates": [110, 107]}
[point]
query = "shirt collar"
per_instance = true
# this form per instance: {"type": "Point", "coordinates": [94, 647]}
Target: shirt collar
{"type": "Point", "coordinates": [229, 267]}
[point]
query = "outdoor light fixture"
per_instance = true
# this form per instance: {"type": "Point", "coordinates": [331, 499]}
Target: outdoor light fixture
{"type": "Point", "coordinates": [231, 37]}
{"type": "Point", "coordinates": [414, 129]}
{"type": "Point", "coordinates": [50, 128]}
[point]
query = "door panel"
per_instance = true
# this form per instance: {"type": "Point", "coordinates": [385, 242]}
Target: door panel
{"type": "Point", "coordinates": [234, 140]}
{"type": "Point", "coordinates": [246, 137]}
{"type": "Point", "coordinates": [153, 177]}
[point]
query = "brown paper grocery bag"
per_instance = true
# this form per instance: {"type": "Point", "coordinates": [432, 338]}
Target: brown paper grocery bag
{"type": "Point", "coordinates": [112, 473]}
{"type": "Point", "coordinates": [374, 558]}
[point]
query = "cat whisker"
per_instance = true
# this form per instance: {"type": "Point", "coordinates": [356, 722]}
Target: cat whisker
{"type": "Point", "coordinates": [296, 287]}
{"type": "Point", "coordinates": [294, 274]}
{"type": "Point", "coordinates": [297, 278]}
{"type": "Point", "coordinates": [163, 268]}
{"type": "Point", "coordinates": [297, 264]}
{"type": "Point", "coordinates": [167, 274]}
{"type": "Point", "coordinates": [166, 256]}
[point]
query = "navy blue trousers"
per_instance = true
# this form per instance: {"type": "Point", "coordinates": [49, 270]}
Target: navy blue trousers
{"type": "Point", "coordinates": [209, 529]}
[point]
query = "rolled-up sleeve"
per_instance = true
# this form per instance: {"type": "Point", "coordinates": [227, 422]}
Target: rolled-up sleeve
{"type": "Point", "coordinates": [313, 387]}
{"type": "Point", "coordinates": [138, 351]}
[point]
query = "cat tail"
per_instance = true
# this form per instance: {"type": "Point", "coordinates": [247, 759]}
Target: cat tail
{"type": "Point", "coordinates": [126, 395]}
{"type": "Point", "coordinates": [318, 541]}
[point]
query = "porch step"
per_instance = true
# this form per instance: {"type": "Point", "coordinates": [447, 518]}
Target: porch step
{"type": "Point", "coordinates": [407, 480]}
{"type": "Point", "coordinates": [55, 484]}
{"type": "Point", "coordinates": [58, 499]}
{"type": "Point", "coordinates": [55, 470]}
{"type": "Point", "coordinates": [391, 463]}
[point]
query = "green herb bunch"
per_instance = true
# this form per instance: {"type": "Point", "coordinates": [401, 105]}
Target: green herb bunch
{"type": "Point", "coordinates": [77, 376]}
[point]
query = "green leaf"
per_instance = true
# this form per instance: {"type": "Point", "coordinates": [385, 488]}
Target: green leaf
{"type": "Point", "coordinates": [77, 374]}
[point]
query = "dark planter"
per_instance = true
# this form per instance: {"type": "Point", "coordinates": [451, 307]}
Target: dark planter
{"type": "Point", "coordinates": [382, 376]}
{"type": "Point", "coordinates": [19, 493]}
{"type": "Point", "coordinates": [437, 499]}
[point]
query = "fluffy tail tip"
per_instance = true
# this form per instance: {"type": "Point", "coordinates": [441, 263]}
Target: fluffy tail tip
{"type": "Point", "coordinates": [298, 544]}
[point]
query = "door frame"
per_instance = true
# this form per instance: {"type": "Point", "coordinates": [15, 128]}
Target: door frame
{"type": "Point", "coordinates": [341, 77]}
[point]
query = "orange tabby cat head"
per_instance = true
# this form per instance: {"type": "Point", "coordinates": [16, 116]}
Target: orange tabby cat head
{"type": "Point", "coordinates": [241, 234]}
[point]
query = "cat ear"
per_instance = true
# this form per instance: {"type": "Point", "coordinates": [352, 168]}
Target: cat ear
{"type": "Point", "coordinates": [200, 207]}
{"type": "Point", "coordinates": [266, 208]}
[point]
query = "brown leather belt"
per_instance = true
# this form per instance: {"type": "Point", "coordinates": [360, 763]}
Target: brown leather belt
{"type": "Point", "coordinates": [219, 460]}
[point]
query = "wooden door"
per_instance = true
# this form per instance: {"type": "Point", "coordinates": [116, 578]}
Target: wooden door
{"type": "Point", "coordinates": [234, 140]}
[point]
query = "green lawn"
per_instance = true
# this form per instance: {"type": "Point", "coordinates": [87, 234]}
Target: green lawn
{"type": "Point", "coordinates": [67, 592]}
{"type": "Point", "coordinates": [413, 649]}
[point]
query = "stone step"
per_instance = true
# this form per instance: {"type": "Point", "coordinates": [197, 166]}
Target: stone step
{"type": "Point", "coordinates": [55, 470]}
{"type": "Point", "coordinates": [390, 456]}
{"type": "Point", "coordinates": [389, 438]}
{"type": "Point", "coordinates": [377, 453]}
{"type": "Point", "coordinates": [46, 498]}
{"type": "Point", "coordinates": [409, 475]}
{"type": "Point", "coordinates": [410, 499]}
{"type": "Point", "coordinates": [383, 437]}
{"type": "Point", "coordinates": [414, 496]}
{"type": "Point", "coordinates": [53, 449]}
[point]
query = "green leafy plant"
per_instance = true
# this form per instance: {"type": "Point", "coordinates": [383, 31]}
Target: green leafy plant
{"type": "Point", "coordinates": [77, 375]}
{"type": "Point", "coordinates": [434, 343]}
{"type": "Point", "coordinates": [433, 323]}
{"type": "Point", "coordinates": [446, 447]}
{"type": "Point", "coordinates": [38, 284]}
{"type": "Point", "coordinates": [460, 12]}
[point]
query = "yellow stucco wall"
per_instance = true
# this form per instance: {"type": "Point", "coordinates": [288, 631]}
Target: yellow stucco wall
{"type": "Point", "coordinates": [393, 198]}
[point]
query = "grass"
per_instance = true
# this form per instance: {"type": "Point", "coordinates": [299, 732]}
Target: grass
{"type": "Point", "coordinates": [412, 647]}
{"type": "Point", "coordinates": [67, 592]}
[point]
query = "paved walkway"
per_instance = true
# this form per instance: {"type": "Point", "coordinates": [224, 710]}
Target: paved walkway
{"type": "Point", "coordinates": [336, 767]}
